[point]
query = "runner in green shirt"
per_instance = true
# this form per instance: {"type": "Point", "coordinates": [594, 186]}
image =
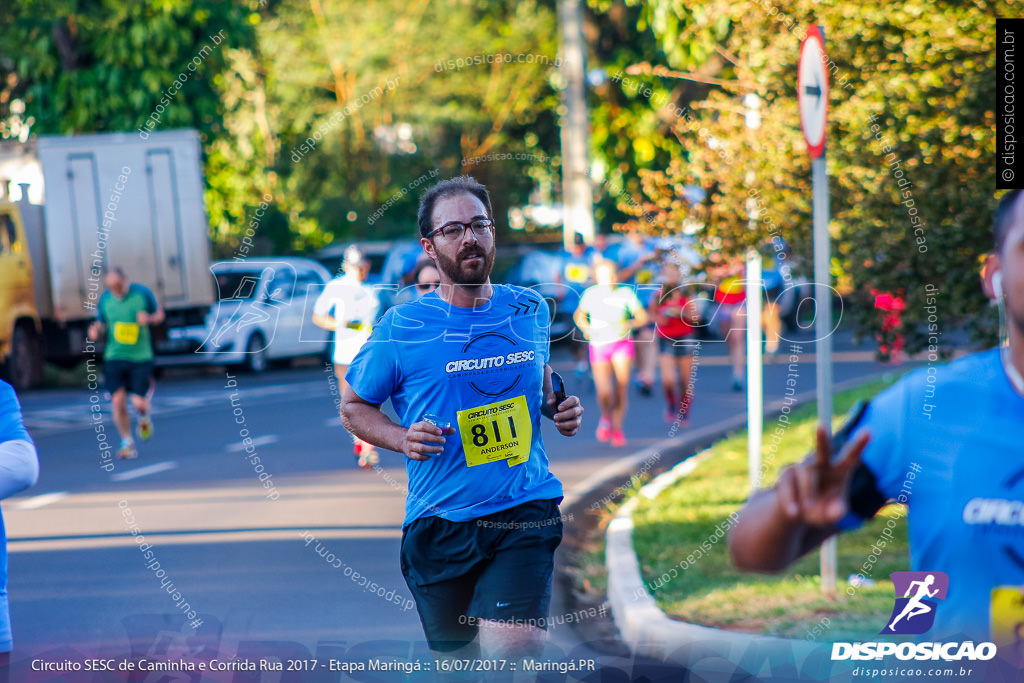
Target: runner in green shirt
{"type": "Point", "coordinates": [125, 312]}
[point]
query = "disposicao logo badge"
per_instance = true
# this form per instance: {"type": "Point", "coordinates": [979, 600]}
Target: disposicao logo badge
{"type": "Point", "coordinates": [917, 596]}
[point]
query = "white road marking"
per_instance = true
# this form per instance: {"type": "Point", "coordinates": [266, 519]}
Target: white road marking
{"type": "Point", "coordinates": [35, 424]}
{"type": "Point", "coordinates": [182, 401]}
{"type": "Point", "coordinates": [144, 471]}
{"type": "Point", "coordinates": [258, 441]}
{"type": "Point", "coordinates": [40, 501]}
{"type": "Point", "coordinates": [72, 416]}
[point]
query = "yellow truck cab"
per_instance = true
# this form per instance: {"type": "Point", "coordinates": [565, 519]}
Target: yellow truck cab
{"type": "Point", "coordinates": [73, 206]}
{"type": "Point", "coordinates": [19, 324]}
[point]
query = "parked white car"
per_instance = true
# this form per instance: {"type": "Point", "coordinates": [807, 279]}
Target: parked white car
{"type": "Point", "coordinates": [263, 313]}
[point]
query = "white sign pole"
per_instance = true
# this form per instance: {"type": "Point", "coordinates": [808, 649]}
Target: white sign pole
{"type": "Point", "coordinates": [823, 330]}
{"type": "Point", "coordinates": [755, 383]}
{"type": "Point", "coordinates": [755, 392]}
{"type": "Point", "coordinates": [812, 94]}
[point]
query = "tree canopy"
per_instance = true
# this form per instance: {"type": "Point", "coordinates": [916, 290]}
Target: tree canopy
{"type": "Point", "coordinates": [340, 111]}
{"type": "Point", "coordinates": [330, 107]}
{"type": "Point", "coordinates": [911, 122]}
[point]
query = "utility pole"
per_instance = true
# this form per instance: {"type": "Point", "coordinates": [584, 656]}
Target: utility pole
{"type": "Point", "coordinates": [577, 193]}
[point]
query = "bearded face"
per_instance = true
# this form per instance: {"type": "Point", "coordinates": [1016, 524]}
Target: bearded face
{"type": "Point", "coordinates": [471, 265]}
{"type": "Point", "coordinates": [1010, 263]}
{"type": "Point", "coordinates": [468, 259]}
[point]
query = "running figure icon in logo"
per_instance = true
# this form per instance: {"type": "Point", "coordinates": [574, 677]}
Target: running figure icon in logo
{"type": "Point", "coordinates": [919, 591]}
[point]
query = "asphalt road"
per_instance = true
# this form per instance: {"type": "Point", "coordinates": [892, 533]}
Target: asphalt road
{"type": "Point", "coordinates": [236, 553]}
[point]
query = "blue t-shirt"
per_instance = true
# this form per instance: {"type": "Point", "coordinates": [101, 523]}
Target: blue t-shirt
{"type": "Point", "coordinates": [949, 441]}
{"type": "Point", "coordinates": [630, 254]}
{"type": "Point", "coordinates": [428, 356]}
{"type": "Point", "coordinates": [11, 429]}
{"type": "Point", "coordinates": [11, 426]}
{"type": "Point", "coordinates": [577, 275]}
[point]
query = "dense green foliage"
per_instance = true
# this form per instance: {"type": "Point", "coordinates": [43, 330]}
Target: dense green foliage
{"type": "Point", "coordinates": [912, 100]}
{"type": "Point", "coordinates": [368, 88]}
{"type": "Point", "coordinates": [341, 111]}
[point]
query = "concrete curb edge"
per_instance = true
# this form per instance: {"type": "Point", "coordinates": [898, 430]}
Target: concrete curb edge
{"type": "Point", "coordinates": [644, 627]}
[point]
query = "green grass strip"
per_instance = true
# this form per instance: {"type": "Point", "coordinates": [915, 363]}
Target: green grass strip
{"type": "Point", "coordinates": [683, 529]}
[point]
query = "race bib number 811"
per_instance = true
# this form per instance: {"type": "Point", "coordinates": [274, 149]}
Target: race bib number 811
{"type": "Point", "coordinates": [497, 431]}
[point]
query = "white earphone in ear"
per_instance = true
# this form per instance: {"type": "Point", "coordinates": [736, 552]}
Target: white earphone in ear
{"type": "Point", "coordinates": [997, 284]}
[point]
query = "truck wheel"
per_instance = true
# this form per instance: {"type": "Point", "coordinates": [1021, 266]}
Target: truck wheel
{"type": "Point", "coordinates": [256, 354]}
{"type": "Point", "coordinates": [25, 365]}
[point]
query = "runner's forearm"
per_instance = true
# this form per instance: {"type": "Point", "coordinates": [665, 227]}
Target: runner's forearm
{"type": "Point", "coordinates": [324, 321]}
{"type": "Point", "coordinates": [580, 318]}
{"type": "Point", "coordinates": [19, 466]}
{"type": "Point", "coordinates": [641, 319]}
{"type": "Point", "coordinates": [368, 423]}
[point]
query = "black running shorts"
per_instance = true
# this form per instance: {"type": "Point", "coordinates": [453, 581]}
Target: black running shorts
{"type": "Point", "coordinates": [497, 568]}
{"type": "Point", "coordinates": [123, 374]}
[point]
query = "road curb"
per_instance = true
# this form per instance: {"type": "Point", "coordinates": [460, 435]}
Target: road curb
{"type": "Point", "coordinates": [643, 627]}
{"type": "Point", "coordinates": [587, 497]}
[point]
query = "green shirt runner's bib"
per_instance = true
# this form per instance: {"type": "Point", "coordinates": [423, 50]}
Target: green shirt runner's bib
{"type": "Point", "coordinates": [126, 339]}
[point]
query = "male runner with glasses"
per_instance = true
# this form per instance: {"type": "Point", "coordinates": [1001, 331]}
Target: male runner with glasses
{"type": "Point", "coordinates": [945, 440]}
{"type": "Point", "coordinates": [482, 520]}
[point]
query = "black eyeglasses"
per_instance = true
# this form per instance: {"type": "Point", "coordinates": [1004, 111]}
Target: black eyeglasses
{"type": "Point", "coordinates": [427, 285]}
{"type": "Point", "coordinates": [454, 230]}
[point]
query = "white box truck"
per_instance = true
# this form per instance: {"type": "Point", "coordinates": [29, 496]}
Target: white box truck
{"type": "Point", "coordinates": [72, 206]}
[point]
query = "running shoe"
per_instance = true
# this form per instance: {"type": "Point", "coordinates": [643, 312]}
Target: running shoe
{"type": "Point", "coordinates": [127, 450]}
{"type": "Point", "coordinates": [369, 459]}
{"type": "Point", "coordinates": [669, 415]}
{"type": "Point", "coordinates": [604, 430]}
{"type": "Point", "coordinates": [618, 438]}
{"type": "Point", "coordinates": [145, 427]}
{"type": "Point", "coordinates": [737, 384]}
{"type": "Point", "coordinates": [644, 388]}
{"type": "Point", "coordinates": [581, 370]}
{"type": "Point", "coordinates": [366, 454]}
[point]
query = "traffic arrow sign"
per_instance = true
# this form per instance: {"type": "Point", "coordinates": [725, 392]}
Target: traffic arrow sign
{"type": "Point", "coordinates": [812, 90]}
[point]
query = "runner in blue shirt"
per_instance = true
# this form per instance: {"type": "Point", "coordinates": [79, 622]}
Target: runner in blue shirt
{"type": "Point", "coordinates": [637, 259]}
{"type": "Point", "coordinates": [576, 274]}
{"type": "Point", "coordinates": [19, 469]}
{"type": "Point", "coordinates": [482, 520]}
{"type": "Point", "coordinates": [949, 442]}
